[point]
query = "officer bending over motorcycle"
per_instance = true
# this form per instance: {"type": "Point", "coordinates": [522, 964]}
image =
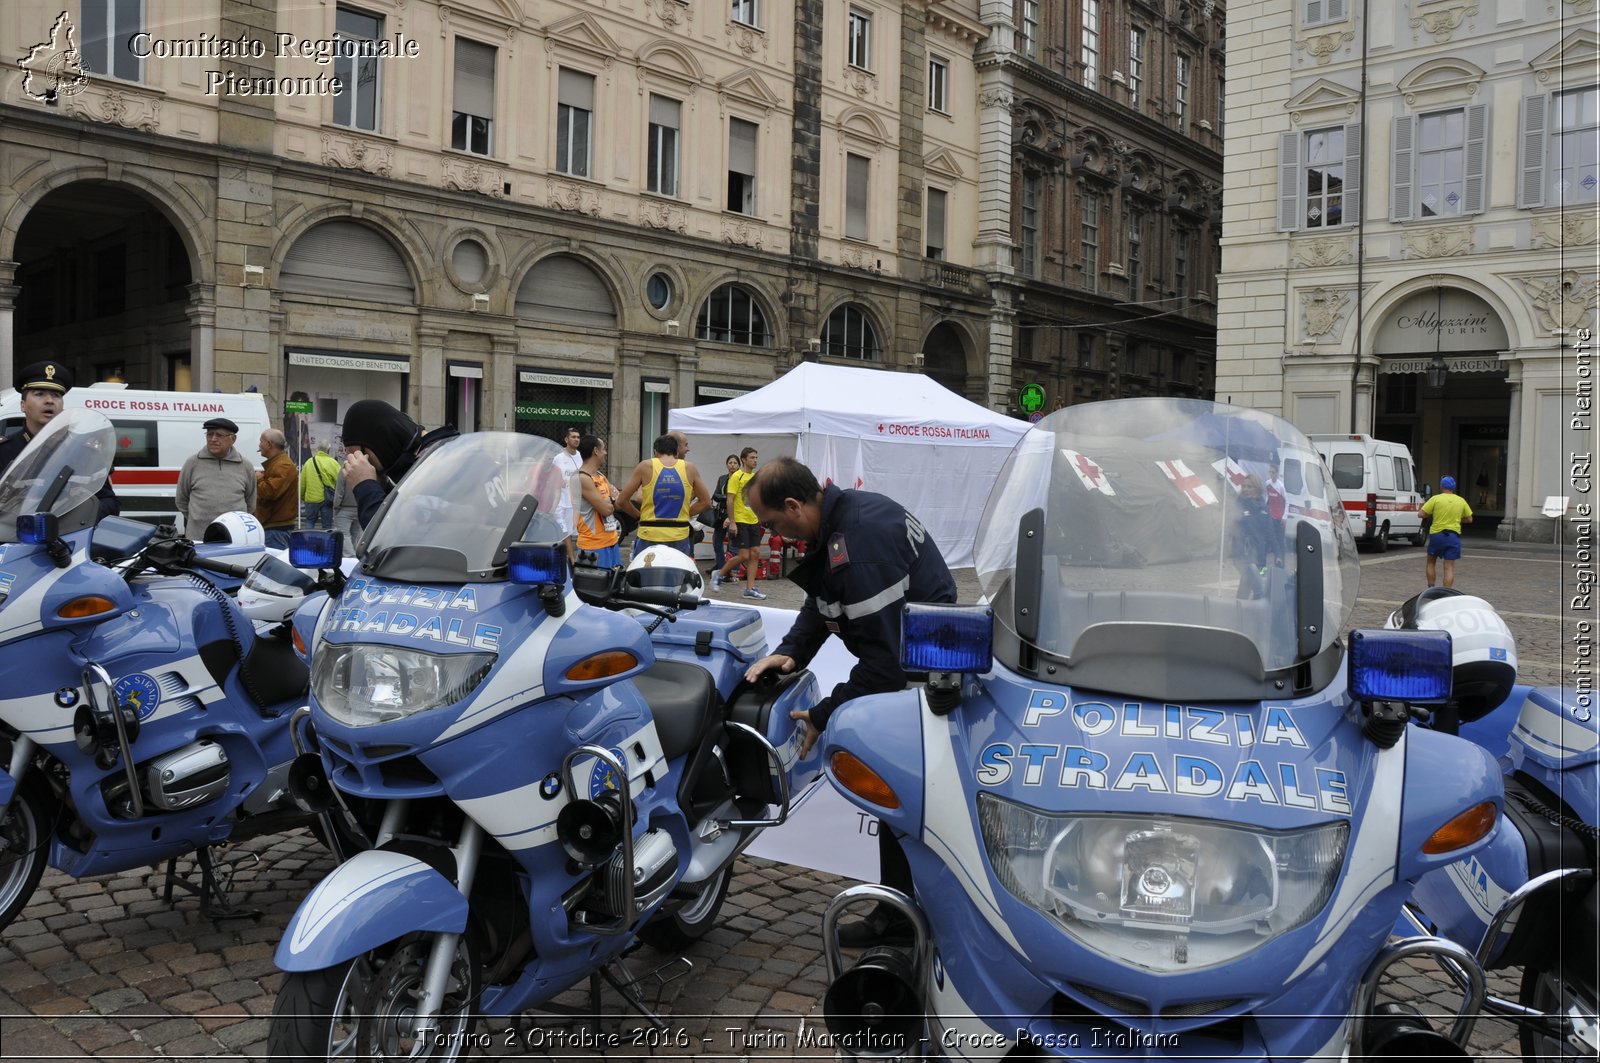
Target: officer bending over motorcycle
{"type": "Point", "coordinates": [867, 556]}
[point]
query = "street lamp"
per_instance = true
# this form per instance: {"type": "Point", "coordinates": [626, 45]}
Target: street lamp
{"type": "Point", "coordinates": [1437, 368]}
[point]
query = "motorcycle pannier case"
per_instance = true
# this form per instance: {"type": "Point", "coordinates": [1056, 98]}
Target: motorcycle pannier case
{"type": "Point", "coordinates": [766, 708]}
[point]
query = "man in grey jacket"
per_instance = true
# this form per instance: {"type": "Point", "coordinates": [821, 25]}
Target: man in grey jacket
{"type": "Point", "coordinates": [215, 481]}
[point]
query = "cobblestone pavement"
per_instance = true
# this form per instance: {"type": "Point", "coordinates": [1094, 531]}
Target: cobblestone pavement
{"type": "Point", "coordinates": [105, 969]}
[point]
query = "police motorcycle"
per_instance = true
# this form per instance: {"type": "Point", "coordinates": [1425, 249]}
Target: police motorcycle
{"type": "Point", "coordinates": [1152, 801]}
{"type": "Point", "coordinates": [143, 717]}
{"type": "Point", "coordinates": [1529, 898]}
{"type": "Point", "coordinates": [544, 781]}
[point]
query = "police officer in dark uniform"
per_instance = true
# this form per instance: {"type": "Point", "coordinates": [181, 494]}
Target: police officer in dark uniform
{"type": "Point", "coordinates": [867, 557]}
{"type": "Point", "coordinates": [42, 386]}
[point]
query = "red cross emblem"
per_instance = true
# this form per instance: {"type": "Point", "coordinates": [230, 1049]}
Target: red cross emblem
{"type": "Point", "coordinates": [1089, 474]}
{"type": "Point", "coordinates": [1193, 488]}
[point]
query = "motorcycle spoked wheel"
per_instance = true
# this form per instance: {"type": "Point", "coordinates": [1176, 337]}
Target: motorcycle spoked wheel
{"type": "Point", "coordinates": [1547, 990]}
{"type": "Point", "coordinates": [24, 849]}
{"type": "Point", "coordinates": [362, 1009]}
{"type": "Point", "coordinates": [691, 920]}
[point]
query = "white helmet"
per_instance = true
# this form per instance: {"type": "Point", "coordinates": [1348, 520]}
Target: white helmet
{"type": "Point", "coordinates": [274, 589]}
{"type": "Point", "coordinates": [238, 528]}
{"type": "Point", "coordinates": [663, 567]}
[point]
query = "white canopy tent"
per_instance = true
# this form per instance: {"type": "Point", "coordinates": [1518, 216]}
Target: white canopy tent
{"type": "Point", "coordinates": [900, 434]}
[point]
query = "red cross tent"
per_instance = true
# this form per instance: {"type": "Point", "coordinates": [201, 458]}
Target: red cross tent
{"type": "Point", "coordinates": [900, 434]}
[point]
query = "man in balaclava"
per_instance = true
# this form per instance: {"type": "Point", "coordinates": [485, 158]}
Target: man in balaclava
{"type": "Point", "coordinates": [381, 445]}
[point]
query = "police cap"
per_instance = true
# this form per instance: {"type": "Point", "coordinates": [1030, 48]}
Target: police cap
{"type": "Point", "coordinates": [46, 376]}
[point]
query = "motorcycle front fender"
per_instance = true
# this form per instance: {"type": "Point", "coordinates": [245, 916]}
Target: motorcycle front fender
{"type": "Point", "coordinates": [373, 898]}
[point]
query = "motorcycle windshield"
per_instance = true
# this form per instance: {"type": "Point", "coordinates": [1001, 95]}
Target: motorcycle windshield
{"type": "Point", "coordinates": [1163, 525]}
{"type": "Point", "coordinates": [62, 468]}
{"type": "Point", "coordinates": [455, 513]}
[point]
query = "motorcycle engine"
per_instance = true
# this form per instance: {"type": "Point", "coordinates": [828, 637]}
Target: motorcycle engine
{"type": "Point", "coordinates": [182, 779]}
{"type": "Point", "coordinates": [655, 865]}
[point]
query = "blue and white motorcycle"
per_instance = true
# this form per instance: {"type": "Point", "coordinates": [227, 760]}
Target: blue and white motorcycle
{"type": "Point", "coordinates": [543, 781]}
{"type": "Point", "coordinates": [1529, 898]}
{"type": "Point", "coordinates": [1153, 803]}
{"type": "Point", "coordinates": [143, 717]}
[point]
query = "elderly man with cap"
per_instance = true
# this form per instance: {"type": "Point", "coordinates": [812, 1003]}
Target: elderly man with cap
{"type": "Point", "coordinates": [381, 444]}
{"type": "Point", "coordinates": [43, 385]}
{"type": "Point", "coordinates": [215, 481]}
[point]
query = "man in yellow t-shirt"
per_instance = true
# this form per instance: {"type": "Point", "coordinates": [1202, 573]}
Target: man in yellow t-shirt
{"type": "Point", "coordinates": [744, 527]}
{"type": "Point", "coordinates": [1447, 512]}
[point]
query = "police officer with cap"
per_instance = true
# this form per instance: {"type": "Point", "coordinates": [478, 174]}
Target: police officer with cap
{"type": "Point", "coordinates": [43, 386]}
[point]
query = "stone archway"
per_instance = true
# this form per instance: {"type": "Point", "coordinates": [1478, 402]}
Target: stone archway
{"type": "Point", "coordinates": [944, 355]}
{"type": "Point", "coordinates": [104, 285]}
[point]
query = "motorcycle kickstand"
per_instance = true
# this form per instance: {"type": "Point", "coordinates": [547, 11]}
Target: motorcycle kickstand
{"type": "Point", "coordinates": [627, 986]}
{"type": "Point", "coordinates": [214, 902]}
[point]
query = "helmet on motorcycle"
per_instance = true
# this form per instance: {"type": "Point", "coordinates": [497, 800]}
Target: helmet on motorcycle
{"type": "Point", "coordinates": [274, 590]}
{"type": "Point", "coordinates": [238, 528]}
{"type": "Point", "coordinates": [663, 567]}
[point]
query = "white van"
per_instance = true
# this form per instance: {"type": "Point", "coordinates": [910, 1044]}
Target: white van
{"type": "Point", "coordinates": [157, 431]}
{"type": "Point", "coordinates": [1377, 482]}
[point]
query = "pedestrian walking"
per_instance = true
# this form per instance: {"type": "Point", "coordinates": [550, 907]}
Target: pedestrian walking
{"type": "Point", "coordinates": [318, 477]}
{"type": "Point", "coordinates": [276, 503]}
{"type": "Point", "coordinates": [215, 481]}
{"type": "Point", "coordinates": [1445, 513]}
{"type": "Point", "coordinates": [719, 514]}
{"type": "Point", "coordinates": [743, 527]}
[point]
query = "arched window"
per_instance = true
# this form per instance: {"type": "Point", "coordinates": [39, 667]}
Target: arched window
{"type": "Point", "coordinates": [849, 334]}
{"type": "Point", "coordinates": [346, 259]}
{"type": "Point", "coordinates": [732, 315]}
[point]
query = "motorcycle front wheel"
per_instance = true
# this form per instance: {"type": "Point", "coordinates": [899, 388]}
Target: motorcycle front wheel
{"type": "Point", "coordinates": [690, 921]}
{"type": "Point", "coordinates": [363, 1009]}
{"type": "Point", "coordinates": [24, 849]}
{"type": "Point", "coordinates": [1560, 992]}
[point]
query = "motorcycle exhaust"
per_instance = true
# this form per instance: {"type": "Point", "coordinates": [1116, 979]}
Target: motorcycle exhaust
{"type": "Point", "coordinates": [875, 1010]}
{"type": "Point", "coordinates": [1395, 1031]}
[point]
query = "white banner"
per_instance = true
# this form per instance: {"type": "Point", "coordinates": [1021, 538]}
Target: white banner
{"type": "Point", "coordinates": [568, 380]}
{"type": "Point", "coordinates": [368, 363]}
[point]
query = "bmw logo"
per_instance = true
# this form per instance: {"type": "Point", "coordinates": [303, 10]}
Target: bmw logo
{"type": "Point", "coordinates": [938, 971]}
{"type": "Point", "coordinates": [550, 787]}
{"type": "Point", "coordinates": [67, 697]}
{"type": "Point", "coordinates": [138, 692]}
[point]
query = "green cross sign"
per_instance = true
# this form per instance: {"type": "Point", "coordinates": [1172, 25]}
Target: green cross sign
{"type": "Point", "coordinates": [1031, 398]}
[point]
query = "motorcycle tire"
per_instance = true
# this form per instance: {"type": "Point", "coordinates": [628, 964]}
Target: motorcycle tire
{"type": "Point", "coordinates": [1552, 990]}
{"type": "Point", "coordinates": [690, 921]}
{"type": "Point", "coordinates": [316, 1015]}
{"type": "Point", "coordinates": [24, 848]}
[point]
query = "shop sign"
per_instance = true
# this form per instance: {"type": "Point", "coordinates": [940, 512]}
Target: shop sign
{"type": "Point", "coordinates": [299, 407]}
{"type": "Point", "coordinates": [711, 391]}
{"type": "Point", "coordinates": [553, 411]}
{"type": "Point", "coordinates": [1481, 363]}
{"type": "Point", "coordinates": [1446, 320]}
{"type": "Point", "coordinates": [1031, 398]}
{"type": "Point", "coordinates": [367, 363]}
{"type": "Point", "coordinates": [566, 380]}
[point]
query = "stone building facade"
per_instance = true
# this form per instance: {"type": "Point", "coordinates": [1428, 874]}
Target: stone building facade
{"type": "Point", "coordinates": [1411, 233]}
{"type": "Point", "coordinates": [1100, 138]}
{"type": "Point", "coordinates": [512, 214]}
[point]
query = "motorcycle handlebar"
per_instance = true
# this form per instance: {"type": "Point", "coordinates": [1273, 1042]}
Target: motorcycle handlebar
{"type": "Point", "coordinates": [658, 596]}
{"type": "Point", "coordinates": [221, 567]}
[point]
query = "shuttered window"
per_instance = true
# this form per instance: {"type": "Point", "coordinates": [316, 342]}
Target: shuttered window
{"type": "Point", "coordinates": [933, 234]}
{"type": "Point", "coordinates": [857, 187]}
{"type": "Point", "coordinates": [563, 290]}
{"type": "Point", "coordinates": [1574, 171]}
{"type": "Point", "coordinates": [472, 123]}
{"type": "Point", "coordinates": [662, 153]}
{"type": "Point", "coordinates": [1319, 178]}
{"type": "Point", "coordinates": [1437, 164]}
{"type": "Point", "coordinates": [347, 260]}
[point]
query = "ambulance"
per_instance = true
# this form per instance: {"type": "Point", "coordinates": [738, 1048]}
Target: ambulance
{"type": "Point", "coordinates": [157, 431]}
{"type": "Point", "coordinates": [1377, 482]}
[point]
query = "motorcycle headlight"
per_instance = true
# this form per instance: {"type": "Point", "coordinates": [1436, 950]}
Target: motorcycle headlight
{"type": "Point", "coordinates": [366, 685]}
{"type": "Point", "coordinates": [1168, 894]}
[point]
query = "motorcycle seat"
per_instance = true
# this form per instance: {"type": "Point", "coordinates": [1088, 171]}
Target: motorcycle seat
{"type": "Point", "coordinates": [684, 702]}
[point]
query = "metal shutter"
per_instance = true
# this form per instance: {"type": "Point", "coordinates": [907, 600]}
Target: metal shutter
{"type": "Point", "coordinates": [562, 290]}
{"type": "Point", "coordinates": [347, 260]}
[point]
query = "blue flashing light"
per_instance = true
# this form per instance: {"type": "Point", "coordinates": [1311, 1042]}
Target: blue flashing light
{"type": "Point", "coordinates": [314, 549]}
{"type": "Point", "coordinates": [1388, 665]}
{"type": "Point", "coordinates": [537, 563]}
{"type": "Point", "coordinates": [36, 528]}
{"type": "Point", "coordinates": [947, 638]}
